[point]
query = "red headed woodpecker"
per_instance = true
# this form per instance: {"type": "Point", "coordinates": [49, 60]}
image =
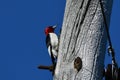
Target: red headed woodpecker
{"type": "Point", "coordinates": [51, 42]}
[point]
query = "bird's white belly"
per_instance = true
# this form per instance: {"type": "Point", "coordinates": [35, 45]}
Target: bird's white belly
{"type": "Point", "coordinates": [54, 44]}
{"type": "Point", "coordinates": [54, 40]}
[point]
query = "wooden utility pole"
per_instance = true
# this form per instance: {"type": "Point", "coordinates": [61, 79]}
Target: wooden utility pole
{"type": "Point", "coordinates": [83, 37]}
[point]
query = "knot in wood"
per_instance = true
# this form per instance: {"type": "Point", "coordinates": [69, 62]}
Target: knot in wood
{"type": "Point", "coordinates": [78, 63]}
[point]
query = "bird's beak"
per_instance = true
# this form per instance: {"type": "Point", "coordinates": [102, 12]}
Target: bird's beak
{"type": "Point", "coordinates": [54, 26]}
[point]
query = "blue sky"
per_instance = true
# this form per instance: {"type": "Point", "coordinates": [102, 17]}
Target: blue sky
{"type": "Point", "coordinates": [22, 38]}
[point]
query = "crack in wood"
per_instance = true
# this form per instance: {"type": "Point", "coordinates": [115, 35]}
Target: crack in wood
{"type": "Point", "coordinates": [82, 4]}
{"type": "Point", "coordinates": [87, 6]}
{"type": "Point", "coordinates": [89, 24]}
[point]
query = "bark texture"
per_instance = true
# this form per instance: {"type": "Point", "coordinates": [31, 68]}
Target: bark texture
{"type": "Point", "coordinates": [83, 35]}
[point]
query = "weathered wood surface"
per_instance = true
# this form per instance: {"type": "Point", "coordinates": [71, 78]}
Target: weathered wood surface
{"type": "Point", "coordinates": [83, 35]}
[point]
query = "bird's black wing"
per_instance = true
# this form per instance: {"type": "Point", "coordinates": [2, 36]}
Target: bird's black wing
{"type": "Point", "coordinates": [48, 40]}
{"type": "Point", "coordinates": [49, 44]}
{"type": "Point", "coordinates": [52, 57]}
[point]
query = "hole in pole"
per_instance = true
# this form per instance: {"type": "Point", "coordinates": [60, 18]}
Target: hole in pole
{"type": "Point", "coordinates": [78, 63]}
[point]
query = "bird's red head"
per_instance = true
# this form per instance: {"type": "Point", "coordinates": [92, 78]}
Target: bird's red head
{"type": "Point", "coordinates": [49, 29]}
